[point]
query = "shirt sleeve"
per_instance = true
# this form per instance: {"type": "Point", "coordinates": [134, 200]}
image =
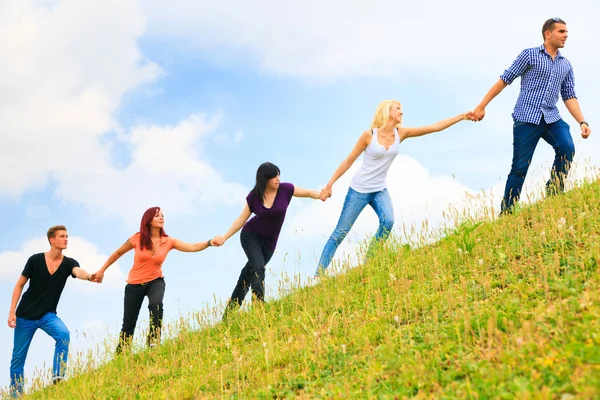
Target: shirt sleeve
{"type": "Point", "coordinates": [567, 89]}
{"type": "Point", "coordinates": [250, 203]}
{"type": "Point", "coordinates": [28, 270]}
{"type": "Point", "coordinates": [518, 67]}
{"type": "Point", "coordinates": [170, 242]}
{"type": "Point", "coordinates": [290, 187]}
{"type": "Point", "coordinates": [135, 240]}
{"type": "Point", "coordinates": [74, 264]}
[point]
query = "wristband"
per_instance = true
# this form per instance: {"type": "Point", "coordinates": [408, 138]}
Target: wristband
{"type": "Point", "coordinates": [209, 242]}
{"type": "Point", "coordinates": [584, 122]}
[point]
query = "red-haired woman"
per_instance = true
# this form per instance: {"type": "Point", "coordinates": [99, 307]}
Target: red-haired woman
{"type": "Point", "coordinates": [151, 245]}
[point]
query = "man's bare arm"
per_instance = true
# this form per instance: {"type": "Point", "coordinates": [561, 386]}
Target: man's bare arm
{"type": "Point", "coordinates": [12, 318]}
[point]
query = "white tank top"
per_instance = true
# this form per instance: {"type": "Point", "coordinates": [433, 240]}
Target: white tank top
{"type": "Point", "coordinates": [376, 163]}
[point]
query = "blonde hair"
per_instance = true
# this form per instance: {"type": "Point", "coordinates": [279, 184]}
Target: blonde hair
{"type": "Point", "coordinates": [53, 229]}
{"type": "Point", "coordinates": [382, 113]}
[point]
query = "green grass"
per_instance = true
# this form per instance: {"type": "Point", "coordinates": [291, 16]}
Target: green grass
{"type": "Point", "coordinates": [495, 310]}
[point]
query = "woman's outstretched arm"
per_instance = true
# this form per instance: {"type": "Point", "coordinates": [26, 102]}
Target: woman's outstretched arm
{"type": "Point", "coordinates": [437, 127]}
{"type": "Point", "coordinates": [361, 145]}
{"type": "Point", "coordinates": [301, 192]}
{"type": "Point", "coordinates": [191, 247]}
{"type": "Point", "coordinates": [236, 226]}
{"type": "Point", "coordinates": [125, 247]}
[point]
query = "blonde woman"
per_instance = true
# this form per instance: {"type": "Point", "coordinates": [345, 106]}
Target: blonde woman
{"type": "Point", "coordinates": [380, 145]}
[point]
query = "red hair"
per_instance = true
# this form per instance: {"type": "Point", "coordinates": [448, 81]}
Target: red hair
{"type": "Point", "coordinates": [145, 238]}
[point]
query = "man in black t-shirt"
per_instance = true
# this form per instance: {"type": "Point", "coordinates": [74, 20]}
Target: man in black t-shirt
{"type": "Point", "coordinates": [47, 274]}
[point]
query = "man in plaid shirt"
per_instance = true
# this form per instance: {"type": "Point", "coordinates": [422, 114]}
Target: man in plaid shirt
{"type": "Point", "coordinates": [545, 73]}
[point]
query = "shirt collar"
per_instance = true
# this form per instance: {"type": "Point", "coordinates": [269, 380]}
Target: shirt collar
{"type": "Point", "coordinates": [542, 49]}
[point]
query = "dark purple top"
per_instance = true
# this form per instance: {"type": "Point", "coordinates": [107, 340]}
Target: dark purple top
{"type": "Point", "coordinates": [267, 222]}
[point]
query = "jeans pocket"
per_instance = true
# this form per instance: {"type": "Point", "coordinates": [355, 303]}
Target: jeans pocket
{"type": "Point", "coordinates": [517, 124]}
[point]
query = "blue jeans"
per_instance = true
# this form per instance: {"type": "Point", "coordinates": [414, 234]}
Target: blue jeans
{"type": "Point", "coordinates": [526, 137]}
{"type": "Point", "coordinates": [354, 203]}
{"type": "Point", "coordinates": [24, 331]}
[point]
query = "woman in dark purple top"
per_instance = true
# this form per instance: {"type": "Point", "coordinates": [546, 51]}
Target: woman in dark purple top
{"type": "Point", "coordinates": [268, 201]}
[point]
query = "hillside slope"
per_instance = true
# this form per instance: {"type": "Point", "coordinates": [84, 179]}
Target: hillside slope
{"type": "Point", "coordinates": [504, 309]}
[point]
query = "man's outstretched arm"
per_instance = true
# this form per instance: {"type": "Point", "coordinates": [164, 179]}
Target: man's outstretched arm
{"type": "Point", "coordinates": [479, 111]}
{"type": "Point", "coordinates": [83, 274]}
{"type": "Point", "coordinates": [518, 67]}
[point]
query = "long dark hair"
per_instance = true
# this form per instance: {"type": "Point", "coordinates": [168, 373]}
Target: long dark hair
{"type": "Point", "coordinates": [265, 172]}
{"type": "Point", "coordinates": [145, 237]}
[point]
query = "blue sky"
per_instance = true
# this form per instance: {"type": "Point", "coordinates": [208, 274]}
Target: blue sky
{"type": "Point", "coordinates": [111, 107]}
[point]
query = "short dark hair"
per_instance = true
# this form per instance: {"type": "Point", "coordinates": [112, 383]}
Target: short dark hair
{"type": "Point", "coordinates": [549, 25]}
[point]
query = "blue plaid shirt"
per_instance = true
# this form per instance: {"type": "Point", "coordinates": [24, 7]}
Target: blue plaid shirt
{"type": "Point", "coordinates": [542, 79]}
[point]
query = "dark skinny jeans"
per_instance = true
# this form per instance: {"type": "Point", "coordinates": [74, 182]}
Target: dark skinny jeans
{"type": "Point", "coordinates": [253, 273]}
{"type": "Point", "coordinates": [134, 297]}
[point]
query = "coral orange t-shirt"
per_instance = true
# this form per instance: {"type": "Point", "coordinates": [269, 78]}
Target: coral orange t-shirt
{"type": "Point", "coordinates": [147, 265]}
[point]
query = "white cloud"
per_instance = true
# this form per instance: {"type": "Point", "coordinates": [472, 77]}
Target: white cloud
{"type": "Point", "coordinates": [84, 252]}
{"type": "Point", "coordinates": [61, 79]}
{"type": "Point", "coordinates": [338, 38]}
{"type": "Point", "coordinates": [64, 73]}
{"type": "Point", "coordinates": [165, 170]}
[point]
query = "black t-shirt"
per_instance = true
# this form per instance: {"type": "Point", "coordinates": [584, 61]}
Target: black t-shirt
{"type": "Point", "coordinates": [44, 289]}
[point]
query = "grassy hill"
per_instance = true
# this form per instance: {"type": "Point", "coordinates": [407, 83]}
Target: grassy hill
{"type": "Point", "coordinates": [505, 309]}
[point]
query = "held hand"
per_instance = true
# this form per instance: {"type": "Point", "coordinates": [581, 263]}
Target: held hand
{"type": "Point", "coordinates": [218, 241]}
{"type": "Point", "coordinates": [585, 131]}
{"type": "Point", "coordinates": [325, 193]}
{"type": "Point", "coordinates": [97, 276]}
{"type": "Point", "coordinates": [468, 116]}
{"type": "Point", "coordinates": [12, 320]}
{"type": "Point", "coordinates": [478, 114]}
